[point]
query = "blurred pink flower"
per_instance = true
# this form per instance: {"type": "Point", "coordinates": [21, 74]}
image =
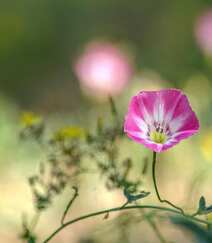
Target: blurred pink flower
{"type": "Point", "coordinates": [103, 70]}
{"type": "Point", "coordinates": [160, 119]}
{"type": "Point", "coordinates": [203, 32]}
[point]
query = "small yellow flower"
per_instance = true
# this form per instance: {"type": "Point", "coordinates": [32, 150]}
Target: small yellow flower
{"type": "Point", "coordinates": [206, 145]}
{"type": "Point", "coordinates": [29, 119]}
{"type": "Point", "coordinates": [69, 132]}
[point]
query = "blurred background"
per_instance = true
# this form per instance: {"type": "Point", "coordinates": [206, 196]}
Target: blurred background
{"type": "Point", "coordinates": [63, 58]}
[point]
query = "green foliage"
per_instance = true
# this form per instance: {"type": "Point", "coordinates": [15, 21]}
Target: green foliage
{"type": "Point", "coordinates": [131, 197]}
{"type": "Point", "coordinates": [27, 235]}
{"type": "Point", "coordinates": [202, 205]}
{"type": "Point", "coordinates": [66, 149]}
{"type": "Point", "coordinates": [202, 235]}
{"type": "Point", "coordinates": [203, 209]}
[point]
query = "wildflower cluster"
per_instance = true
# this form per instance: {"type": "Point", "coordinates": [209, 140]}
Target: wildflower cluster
{"type": "Point", "coordinates": [157, 119]}
{"type": "Point", "coordinates": [66, 150]}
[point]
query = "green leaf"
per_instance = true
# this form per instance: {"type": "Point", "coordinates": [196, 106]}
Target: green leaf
{"type": "Point", "coordinates": [131, 197]}
{"type": "Point", "coordinates": [202, 207]}
{"type": "Point", "coordinates": [202, 204]}
{"type": "Point", "coordinates": [209, 209]}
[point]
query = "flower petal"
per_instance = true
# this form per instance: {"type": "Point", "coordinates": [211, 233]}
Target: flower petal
{"type": "Point", "coordinates": [176, 138]}
{"type": "Point", "coordinates": [159, 104]}
{"type": "Point", "coordinates": [147, 143]}
{"type": "Point", "coordinates": [170, 99]}
{"type": "Point", "coordinates": [184, 119]}
{"type": "Point", "coordinates": [147, 103]}
{"type": "Point", "coordinates": [134, 119]}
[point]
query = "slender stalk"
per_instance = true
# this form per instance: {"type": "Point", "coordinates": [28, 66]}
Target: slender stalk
{"type": "Point", "coordinates": [35, 220]}
{"type": "Point", "coordinates": [195, 214]}
{"type": "Point", "coordinates": [156, 188]}
{"type": "Point", "coordinates": [69, 204]}
{"type": "Point", "coordinates": [125, 204]}
{"type": "Point", "coordinates": [90, 215]}
{"type": "Point", "coordinates": [154, 226]}
{"type": "Point", "coordinates": [113, 107]}
{"type": "Point", "coordinates": [156, 230]}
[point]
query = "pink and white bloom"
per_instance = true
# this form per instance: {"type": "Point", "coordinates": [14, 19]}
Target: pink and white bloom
{"type": "Point", "coordinates": [203, 32]}
{"type": "Point", "coordinates": [160, 119]}
{"type": "Point", "coordinates": [103, 69]}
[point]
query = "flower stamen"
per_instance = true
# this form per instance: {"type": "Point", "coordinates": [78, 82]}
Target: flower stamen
{"type": "Point", "coordinates": [158, 137]}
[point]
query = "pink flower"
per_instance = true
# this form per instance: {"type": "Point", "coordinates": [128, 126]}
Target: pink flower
{"type": "Point", "coordinates": [160, 119]}
{"type": "Point", "coordinates": [103, 70]}
{"type": "Point", "coordinates": [203, 31]}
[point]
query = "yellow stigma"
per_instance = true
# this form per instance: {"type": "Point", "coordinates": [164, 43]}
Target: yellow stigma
{"type": "Point", "coordinates": [158, 137]}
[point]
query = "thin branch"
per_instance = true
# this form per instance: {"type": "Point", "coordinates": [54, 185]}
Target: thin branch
{"type": "Point", "coordinates": [125, 204]}
{"type": "Point", "coordinates": [35, 220]}
{"type": "Point", "coordinates": [69, 204]}
{"type": "Point", "coordinates": [156, 230]}
{"type": "Point", "coordinates": [153, 224]}
{"type": "Point", "coordinates": [90, 215]}
{"type": "Point", "coordinates": [156, 188]}
{"type": "Point", "coordinates": [113, 107]}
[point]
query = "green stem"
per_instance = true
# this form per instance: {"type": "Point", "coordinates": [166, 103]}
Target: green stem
{"type": "Point", "coordinates": [153, 225]}
{"type": "Point", "coordinates": [35, 220]}
{"type": "Point", "coordinates": [156, 230]}
{"type": "Point", "coordinates": [69, 204]}
{"type": "Point", "coordinates": [113, 107]}
{"type": "Point", "coordinates": [90, 215]}
{"type": "Point", "coordinates": [195, 214]}
{"type": "Point", "coordinates": [156, 188]}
